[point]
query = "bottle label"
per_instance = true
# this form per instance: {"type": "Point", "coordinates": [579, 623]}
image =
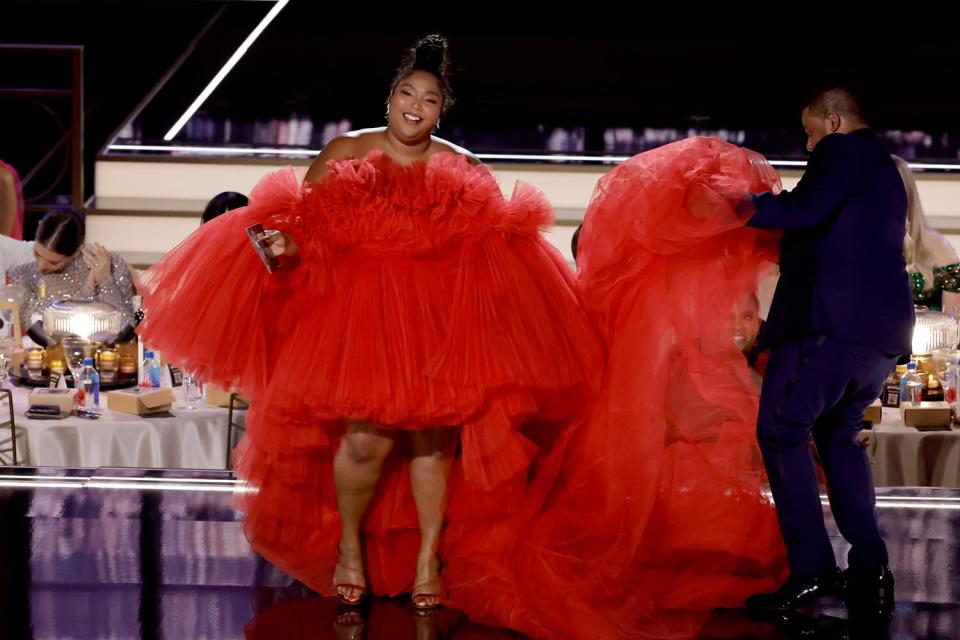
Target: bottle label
{"type": "Point", "coordinates": [891, 395]}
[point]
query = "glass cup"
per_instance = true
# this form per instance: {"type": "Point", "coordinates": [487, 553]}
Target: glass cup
{"type": "Point", "coordinates": [191, 391]}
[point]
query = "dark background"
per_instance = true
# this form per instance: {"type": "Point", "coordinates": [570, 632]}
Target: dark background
{"type": "Point", "coordinates": [590, 69]}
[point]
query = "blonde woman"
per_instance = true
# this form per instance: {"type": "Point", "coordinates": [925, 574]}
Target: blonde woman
{"type": "Point", "coordinates": [932, 262]}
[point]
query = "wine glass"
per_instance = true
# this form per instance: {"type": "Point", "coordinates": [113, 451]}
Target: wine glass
{"type": "Point", "coordinates": [75, 350]}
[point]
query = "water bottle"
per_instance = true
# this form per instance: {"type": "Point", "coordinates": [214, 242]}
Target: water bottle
{"type": "Point", "coordinates": [90, 384]}
{"type": "Point", "coordinates": [903, 382]}
{"type": "Point", "coordinates": [911, 387]}
{"type": "Point", "coordinates": [144, 373]}
{"type": "Point", "coordinates": [155, 373]}
{"type": "Point", "coordinates": [149, 371]}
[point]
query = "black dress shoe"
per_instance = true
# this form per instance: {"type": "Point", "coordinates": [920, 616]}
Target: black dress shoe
{"type": "Point", "coordinates": [869, 593]}
{"type": "Point", "coordinates": [797, 592]}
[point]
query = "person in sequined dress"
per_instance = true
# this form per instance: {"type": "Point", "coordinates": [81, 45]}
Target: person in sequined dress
{"type": "Point", "coordinates": [66, 266]}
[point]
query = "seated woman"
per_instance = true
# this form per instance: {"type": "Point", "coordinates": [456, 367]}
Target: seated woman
{"type": "Point", "coordinates": [746, 327]}
{"type": "Point", "coordinates": [932, 261]}
{"type": "Point", "coordinates": [64, 266]}
{"type": "Point", "coordinates": [222, 203]}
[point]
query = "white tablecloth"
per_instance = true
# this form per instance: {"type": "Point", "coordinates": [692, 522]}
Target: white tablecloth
{"type": "Point", "coordinates": [901, 456]}
{"type": "Point", "coordinates": [195, 439]}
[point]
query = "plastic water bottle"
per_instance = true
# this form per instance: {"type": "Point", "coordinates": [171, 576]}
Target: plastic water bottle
{"type": "Point", "coordinates": [155, 373]}
{"type": "Point", "coordinates": [144, 373]}
{"type": "Point", "coordinates": [149, 371]}
{"type": "Point", "coordinates": [911, 387]}
{"type": "Point", "coordinates": [902, 395]}
{"type": "Point", "coordinates": [90, 383]}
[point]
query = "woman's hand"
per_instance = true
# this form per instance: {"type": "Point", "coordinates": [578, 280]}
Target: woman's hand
{"type": "Point", "coordinates": [282, 244]}
{"type": "Point", "coordinates": [101, 266]}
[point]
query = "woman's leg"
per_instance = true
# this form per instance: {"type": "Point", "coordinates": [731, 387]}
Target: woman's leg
{"type": "Point", "coordinates": [356, 471]}
{"type": "Point", "coordinates": [429, 468]}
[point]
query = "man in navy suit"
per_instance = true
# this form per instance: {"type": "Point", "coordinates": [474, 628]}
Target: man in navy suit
{"type": "Point", "coordinates": [841, 316]}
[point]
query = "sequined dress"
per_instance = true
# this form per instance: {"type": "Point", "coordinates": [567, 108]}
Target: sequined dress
{"type": "Point", "coordinates": [117, 290]}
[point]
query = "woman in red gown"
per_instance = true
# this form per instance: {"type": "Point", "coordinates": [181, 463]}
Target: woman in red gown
{"type": "Point", "coordinates": [406, 367]}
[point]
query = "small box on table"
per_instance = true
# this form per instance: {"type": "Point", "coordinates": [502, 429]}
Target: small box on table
{"type": "Point", "coordinates": [139, 401]}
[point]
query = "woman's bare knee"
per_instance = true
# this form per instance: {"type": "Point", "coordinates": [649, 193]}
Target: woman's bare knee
{"type": "Point", "coordinates": [365, 444]}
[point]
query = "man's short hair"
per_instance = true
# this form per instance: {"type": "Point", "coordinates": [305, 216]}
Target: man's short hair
{"type": "Point", "coordinates": [837, 99]}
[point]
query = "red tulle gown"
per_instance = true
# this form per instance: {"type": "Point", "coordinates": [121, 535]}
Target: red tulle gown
{"type": "Point", "coordinates": [651, 512]}
{"type": "Point", "coordinates": [17, 230]}
{"type": "Point", "coordinates": [423, 298]}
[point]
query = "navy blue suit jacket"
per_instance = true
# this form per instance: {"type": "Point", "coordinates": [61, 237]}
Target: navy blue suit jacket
{"type": "Point", "coordinates": [842, 271]}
